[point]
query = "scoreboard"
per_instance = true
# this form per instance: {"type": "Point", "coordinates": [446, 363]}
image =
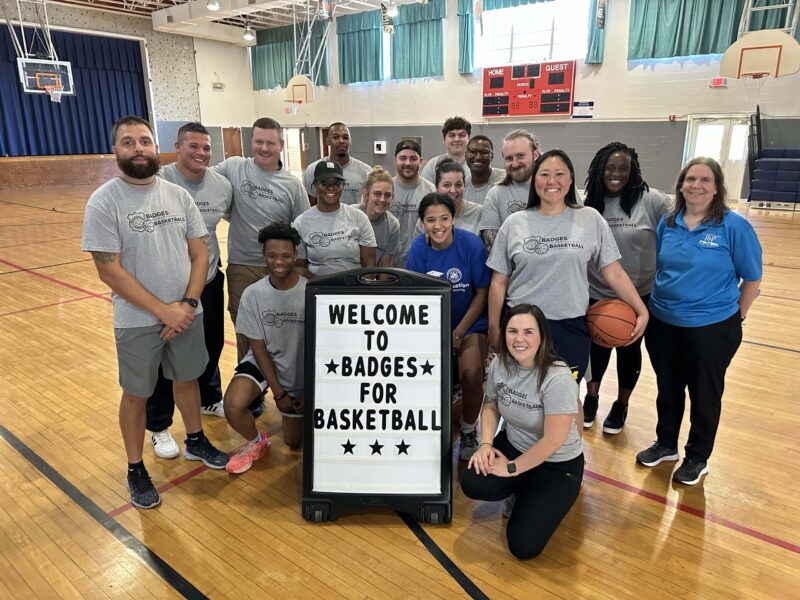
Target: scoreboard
{"type": "Point", "coordinates": [543, 89]}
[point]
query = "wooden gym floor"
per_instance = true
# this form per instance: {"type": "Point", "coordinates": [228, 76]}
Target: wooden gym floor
{"type": "Point", "coordinates": [66, 529]}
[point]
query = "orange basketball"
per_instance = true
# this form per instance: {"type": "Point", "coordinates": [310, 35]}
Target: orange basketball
{"type": "Point", "coordinates": [610, 323]}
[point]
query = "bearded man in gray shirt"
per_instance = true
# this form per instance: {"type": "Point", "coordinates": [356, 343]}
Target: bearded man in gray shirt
{"type": "Point", "coordinates": [264, 192]}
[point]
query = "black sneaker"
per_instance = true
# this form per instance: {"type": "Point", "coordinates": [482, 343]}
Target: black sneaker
{"type": "Point", "coordinates": [204, 451]}
{"type": "Point", "coordinates": [589, 410]}
{"type": "Point", "coordinates": [615, 420]}
{"type": "Point", "coordinates": [143, 492]}
{"type": "Point", "coordinates": [690, 471]}
{"type": "Point", "coordinates": [655, 454]}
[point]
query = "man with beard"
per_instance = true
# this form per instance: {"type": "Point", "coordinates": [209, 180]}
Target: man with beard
{"type": "Point", "coordinates": [146, 237]}
{"type": "Point", "coordinates": [520, 151]}
{"type": "Point", "coordinates": [455, 135]}
{"type": "Point", "coordinates": [482, 176]}
{"type": "Point", "coordinates": [409, 188]}
{"type": "Point", "coordinates": [211, 193]}
{"type": "Point", "coordinates": [264, 192]}
{"type": "Point", "coordinates": [355, 171]}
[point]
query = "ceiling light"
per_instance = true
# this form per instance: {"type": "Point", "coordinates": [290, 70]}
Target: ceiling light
{"type": "Point", "coordinates": [392, 11]}
{"type": "Point", "coordinates": [248, 34]}
{"type": "Point", "coordinates": [212, 5]}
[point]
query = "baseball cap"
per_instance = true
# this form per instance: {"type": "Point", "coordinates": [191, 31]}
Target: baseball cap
{"type": "Point", "coordinates": [328, 168]}
{"type": "Point", "coordinates": [407, 145]}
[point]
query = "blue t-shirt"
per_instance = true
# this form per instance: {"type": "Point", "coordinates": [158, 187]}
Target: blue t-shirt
{"type": "Point", "coordinates": [698, 272]}
{"type": "Point", "coordinates": [463, 264]}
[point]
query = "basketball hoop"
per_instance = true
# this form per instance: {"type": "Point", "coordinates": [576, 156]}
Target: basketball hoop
{"type": "Point", "coordinates": [753, 82]}
{"type": "Point", "coordinates": [292, 106]}
{"type": "Point", "coordinates": [55, 92]}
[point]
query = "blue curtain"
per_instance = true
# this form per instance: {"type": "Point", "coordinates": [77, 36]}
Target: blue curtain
{"type": "Point", "coordinates": [418, 40]}
{"type": "Point", "coordinates": [274, 56]}
{"type": "Point", "coordinates": [597, 37]}
{"type": "Point", "coordinates": [498, 4]}
{"type": "Point", "coordinates": [360, 47]}
{"type": "Point", "coordinates": [109, 84]}
{"type": "Point", "coordinates": [667, 28]}
{"type": "Point", "coordinates": [466, 37]}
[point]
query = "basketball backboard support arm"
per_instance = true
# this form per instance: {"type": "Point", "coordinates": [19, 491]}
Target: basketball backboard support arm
{"type": "Point", "coordinates": [790, 17]}
{"type": "Point", "coordinates": [303, 26]}
{"type": "Point", "coordinates": [34, 39]}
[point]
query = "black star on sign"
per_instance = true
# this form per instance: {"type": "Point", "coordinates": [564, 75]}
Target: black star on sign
{"type": "Point", "coordinates": [427, 368]}
{"type": "Point", "coordinates": [332, 366]}
{"type": "Point", "coordinates": [348, 447]}
{"type": "Point", "coordinates": [402, 447]}
{"type": "Point", "coordinates": [376, 447]}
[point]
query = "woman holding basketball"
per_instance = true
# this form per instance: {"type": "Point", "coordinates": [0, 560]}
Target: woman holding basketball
{"type": "Point", "coordinates": [542, 255]}
{"type": "Point", "coordinates": [708, 269]}
{"type": "Point", "coordinates": [538, 456]}
{"type": "Point", "coordinates": [615, 188]}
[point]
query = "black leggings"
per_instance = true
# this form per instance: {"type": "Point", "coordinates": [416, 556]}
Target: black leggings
{"type": "Point", "coordinates": [629, 360]}
{"type": "Point", "coordinates": [545, 495]}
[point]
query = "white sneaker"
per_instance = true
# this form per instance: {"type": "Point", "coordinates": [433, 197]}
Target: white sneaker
{"type": "Point", "coordinates": [215, 410]}
{"type": "Point", "coordinates": [164, 444]}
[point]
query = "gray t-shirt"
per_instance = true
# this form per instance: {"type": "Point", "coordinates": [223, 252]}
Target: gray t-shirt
{"type": "Point", "coordinates": [547, 258]}
{"type": "Point", "coordinates": [331, 241]}
{"type": "Point", "coordinates": [478, 194]}
{"type": "Point", "coordinates": [387, 234]}
{"type": "Point", "coordinates": [212, 196]}
{"type": "Point", "coordinates": [502, 201]}
{"type": "Point", "coordinates": [468, 220]}
{"type": "Point", "coordinates": [278, 318]}
{"type": "Point", "coordinates": [404, 207]}
{"type": "Point", "coordinates": [524, 405]}
{"type": "Point", "coordinates": [260, 198]}
{"type": "Point", "coordinates": [636, 240]}
{"type": "Point", "coordinates": [429, 170]}
{"type": "Point", "coordinates": [355, 175]}
{"type": "Point", "coordinates": [148, 227]}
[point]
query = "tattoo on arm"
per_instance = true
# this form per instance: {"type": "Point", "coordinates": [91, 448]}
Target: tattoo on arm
{"type": "Point", "coordinates": [104, 258]}
{"type": "Point", "coordinates": [490, 400]}
{"type": "Point", "coordinates": [488, 235]}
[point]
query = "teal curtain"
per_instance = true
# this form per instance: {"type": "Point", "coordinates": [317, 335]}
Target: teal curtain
{"type": "Point", "coordinates": [667, 28]}
{"type": "Point", "coordinates": [273, 58]}
{"type": "Point", "coordinates": [466, 37]}
{"type": "Point", "coordinates": [597, 37]}
{"type": "Point", "coordinates": [498, 4]}
{"type": "Point", "coordinates": [360, 47]}
{"type": "Point", "coordinates": [771, 19]}
{"type": "Point", "coordinates": [418, 40]}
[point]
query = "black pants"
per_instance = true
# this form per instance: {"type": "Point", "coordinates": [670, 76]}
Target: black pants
{"type": "Point", "coordinates": [695, 358]}
{"type": "Point", "coordinates": [161, 405]}
{"type": "Point", "coordinates": [544, 496]}
{"type": "Point", "coordinates": [571, 342]}
{"type": "Point", "coordinates": [629, 360]}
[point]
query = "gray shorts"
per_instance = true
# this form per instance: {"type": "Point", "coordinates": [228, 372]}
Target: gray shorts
{"type": "Point", "coordinates": [140, 351]}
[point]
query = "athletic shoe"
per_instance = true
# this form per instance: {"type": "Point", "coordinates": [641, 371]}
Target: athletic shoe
{"type": "Point", "coordinates": [655, 454]}
{"type": "Point", "coordinates": [469, 444]}
{"type": "Point", "coordinates": [143, 492]}
{"type": "Point", "coordinates": [215, 410]}
{"type": "Point", "coordinates": [615, 420]}
{"type": "Point", "coordinates": [589, 410]}
{"type": "Point", "coordinates": [204, 451]}
{"type": "Point", "coordinates": [244, 457]}
{"type": "Point", "coordinates": [690, 471]}
{"type": "Point", "coordinates": [164, 444]}
{"type": "Point", "coordinates": [508, 505]}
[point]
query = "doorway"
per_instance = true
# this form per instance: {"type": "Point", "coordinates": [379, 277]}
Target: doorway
{"type": "Point", "coordinates": [723, 138]}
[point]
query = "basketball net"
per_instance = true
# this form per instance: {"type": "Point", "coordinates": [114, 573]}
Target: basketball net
{"type": "Point", "coordinates": [54, 91]}
{"type": "Point", "coordinates": [753, 82]}
{"type": "Point", "coordinates": [292, 106]}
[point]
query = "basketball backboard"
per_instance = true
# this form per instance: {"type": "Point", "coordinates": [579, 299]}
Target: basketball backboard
{"type": "Point", "coordinates": [769, 52]}
{"type": "Point", "coordinates": [37, 75]}
{"type": "Point", "coordinates": [300, 90]}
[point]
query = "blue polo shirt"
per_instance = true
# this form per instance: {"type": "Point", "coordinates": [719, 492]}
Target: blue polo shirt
{"type": "Point", "coordinates": [698, 272]}
{"type": "Point", "coordinates": [463, 264]}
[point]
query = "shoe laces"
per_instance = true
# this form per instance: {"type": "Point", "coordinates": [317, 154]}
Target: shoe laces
{"type": "Point", "coordinates": [469, 438]}
{"type": "Point", "coordinates": [162, 437]}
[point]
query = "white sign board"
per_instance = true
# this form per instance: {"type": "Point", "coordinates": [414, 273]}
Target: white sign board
{"type": "Point", "coordinates": [377, 394]}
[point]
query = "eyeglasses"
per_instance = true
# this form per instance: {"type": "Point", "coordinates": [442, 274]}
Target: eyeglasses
{"type": "Point", "coordinates": [331, 182]}
{"type": "Point", "coordinates": [479, 152]}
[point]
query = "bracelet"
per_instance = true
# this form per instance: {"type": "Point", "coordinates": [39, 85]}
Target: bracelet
{"type": "Point", "coordinates": [487, 444]}
{"type": "Point", "coordinates": [281, 397]}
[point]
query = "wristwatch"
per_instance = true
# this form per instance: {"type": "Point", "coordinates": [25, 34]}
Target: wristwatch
{"type": "Point", "coordinates": [512, 468]}
{"type": "Point", "coordinates": [191, 302]}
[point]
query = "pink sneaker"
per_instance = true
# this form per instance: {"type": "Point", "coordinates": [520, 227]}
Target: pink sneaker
{"type": "Point", "coordinates": [244, 457]}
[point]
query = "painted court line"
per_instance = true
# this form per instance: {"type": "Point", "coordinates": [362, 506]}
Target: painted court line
{"type": "Point", "coordinates": [22, 310]}
{"type": "Point", "coordinates": [54, 280]}
{"type": "Point", "coordinates": [697, 512]}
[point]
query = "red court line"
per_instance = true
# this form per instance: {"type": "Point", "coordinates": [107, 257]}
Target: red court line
{"type": "Point", "coordinates": [22, 269]}
{"type": "Point", "coordinates": [22, 310]}
{"type": "Point", "coordinates": [697, 512]}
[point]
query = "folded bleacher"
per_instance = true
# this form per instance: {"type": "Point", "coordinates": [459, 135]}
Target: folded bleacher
{"type": "Point", "coordinates": [777, 176]}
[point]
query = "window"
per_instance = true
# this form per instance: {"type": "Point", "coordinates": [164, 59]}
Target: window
{"type": "Point", "coordinates": [533, 33]}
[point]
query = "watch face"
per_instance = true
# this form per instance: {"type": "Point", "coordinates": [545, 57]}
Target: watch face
{"type": "Point", "coordinates": [512, 468]}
